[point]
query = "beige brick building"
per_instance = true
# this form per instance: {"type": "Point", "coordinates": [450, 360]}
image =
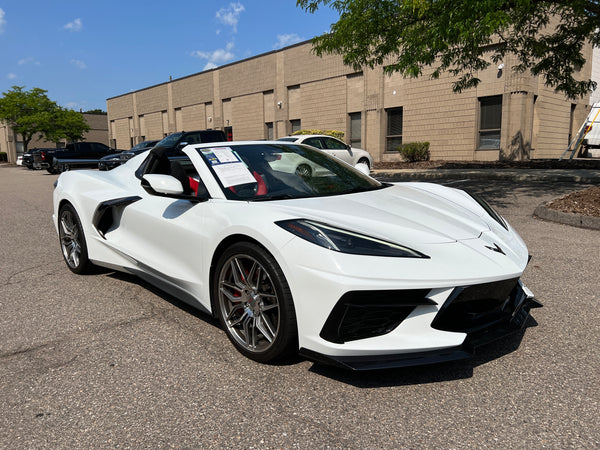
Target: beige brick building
{"type": "Point", "coordinates": [273, 94]}
{"type": "Point", "coordinates": [13, 146]}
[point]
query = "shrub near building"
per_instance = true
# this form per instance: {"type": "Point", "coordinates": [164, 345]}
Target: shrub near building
{"type": "Point", "coordinates": [333, 133]}
{"type": "Point", "coordinates": [415, 151]}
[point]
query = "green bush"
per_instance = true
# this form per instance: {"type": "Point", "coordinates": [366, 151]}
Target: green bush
{"type": "Point", "coordinates": [333, 133]}
{"type": "Point", "coordinates": [415, 151]}
{"type": "Point", "coordinates": [3, 157]}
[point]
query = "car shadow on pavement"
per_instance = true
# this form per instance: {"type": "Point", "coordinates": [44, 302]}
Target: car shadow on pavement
{"type": "Point", "coordinates": [180, 304]}
{"type": "Point", "coordinates": [433, 373]}
{"type": "Point", "coordinates": [403, 376]}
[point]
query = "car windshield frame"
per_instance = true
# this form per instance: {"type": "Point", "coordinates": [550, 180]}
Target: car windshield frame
{"type": "Point", "coordinates": [270, 171]}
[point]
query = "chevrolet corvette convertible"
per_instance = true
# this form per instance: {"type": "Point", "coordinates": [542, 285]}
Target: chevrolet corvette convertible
{"type": "Point", "coordinates": [333, 265]}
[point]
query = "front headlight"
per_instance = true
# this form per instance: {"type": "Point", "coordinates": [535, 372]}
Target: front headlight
{"type": "Point", "coordinates": [345, 241]}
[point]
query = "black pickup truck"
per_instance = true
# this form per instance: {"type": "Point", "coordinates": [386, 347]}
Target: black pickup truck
{"type": "Point", "coordinates": [77, 154]}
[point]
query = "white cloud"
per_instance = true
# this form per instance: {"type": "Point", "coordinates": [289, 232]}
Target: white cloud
{"type": "Point", "coordinates": [231, 15]}
{"type": "Point", "coordinates": [79, 64]}
{"type": "Point", "coordinates": [216, 57]}
{"type": "Point", "coordinates": [283, 40]}
{"type": "Point", "coordinates": [28, 60]}
{"type": "Point", "coordinates": [74, 105]}
{"type": "Point", "coordinates": [11, 76]}
{"type": "Point", "coordinates": [76, 25]}
{"type": "Point", "coordinates": [2, 20]}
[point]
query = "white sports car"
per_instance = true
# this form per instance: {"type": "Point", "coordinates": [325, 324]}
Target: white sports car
{"type": "Point", "coordinates": [336, 266]}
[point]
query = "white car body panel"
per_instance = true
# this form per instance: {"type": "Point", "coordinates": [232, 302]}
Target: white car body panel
{"type": "Point", "coordinates": [172, 242]}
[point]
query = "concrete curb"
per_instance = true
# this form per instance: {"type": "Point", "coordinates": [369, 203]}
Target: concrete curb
{"type": "Point", "coordinates": [574, 220]}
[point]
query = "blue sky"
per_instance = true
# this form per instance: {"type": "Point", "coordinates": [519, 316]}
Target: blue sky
{"type": "Point", "coordinates": [83, 52]}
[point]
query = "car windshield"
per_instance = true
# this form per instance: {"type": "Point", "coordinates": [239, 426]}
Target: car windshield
{"type": "Point", "coordinates": [142, 145]}
{"type": "Point", "coordinates": [170, 140]}
{"type": "Point", "coordinates": [271, 171]}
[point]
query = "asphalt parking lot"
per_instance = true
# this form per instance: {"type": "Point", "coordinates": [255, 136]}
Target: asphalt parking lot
{"type": "Point", "coordinates": [107, 361]}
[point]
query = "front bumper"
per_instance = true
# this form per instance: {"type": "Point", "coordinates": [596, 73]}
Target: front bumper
{"type": "Point", "coordinates": [484, 312]}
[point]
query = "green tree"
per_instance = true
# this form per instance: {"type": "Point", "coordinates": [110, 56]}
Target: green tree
{"type": "Point", "coordinates": [26, 112]}
{"type": "Point", "coordinates": [66, 124]}
{"type": "Point", "coordinates": [31, 112]}
{"type": "Point", "coordinates": [463, 37]}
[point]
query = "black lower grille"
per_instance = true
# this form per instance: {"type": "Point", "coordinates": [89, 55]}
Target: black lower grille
{"type": "Point", "coordinates": [364, 314]}
{"type": "Point", "coordinates": [473, 308]}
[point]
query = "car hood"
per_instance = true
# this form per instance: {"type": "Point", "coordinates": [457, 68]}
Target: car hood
{"type": "Point", "coordinates": [396, 213]}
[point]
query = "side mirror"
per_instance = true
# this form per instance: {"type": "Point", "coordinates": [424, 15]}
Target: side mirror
{"type": "Point", "coordinates": [181, 145]}
{"type": "Point", "coordinates": [156, 184]}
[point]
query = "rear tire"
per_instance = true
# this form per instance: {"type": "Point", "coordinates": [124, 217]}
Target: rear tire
{"type": "Point", "coordinates": [254, 303]}
{"type": "Point", "coordinates": [72, 241]}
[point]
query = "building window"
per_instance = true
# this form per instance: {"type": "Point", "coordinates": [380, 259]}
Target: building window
{"type": "Point", "coordinates": [355, 130]}
{"type": "Point", "coordinates": [490, 122]}
{"type": "Point", "coordinates": [572, 123]}
{"type": "Point", "coordinates": [269, 131]}
{"type": "Point", "coordinates": [296, 125]}
{"type": "Point", "coordinates": [393, 139]}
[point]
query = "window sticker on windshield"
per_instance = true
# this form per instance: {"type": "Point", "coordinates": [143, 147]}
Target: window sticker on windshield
{"type": "Point", "coordinates": [220, 155]}
{"type": "Point", "coordinates": [228, 167]}
{"type": "Point", "coordinates": [225, 155]}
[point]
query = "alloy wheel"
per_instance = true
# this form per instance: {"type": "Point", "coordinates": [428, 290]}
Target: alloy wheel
{"type": "Point", "coordinates": [70, 238]}
{"type": "Point", "coordinates": [248, 303]}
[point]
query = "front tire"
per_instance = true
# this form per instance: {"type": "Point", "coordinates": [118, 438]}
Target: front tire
{"type": "Point", "coordinates": [254, 304]}
{"type": "Point", "coordinates": [72, 241]}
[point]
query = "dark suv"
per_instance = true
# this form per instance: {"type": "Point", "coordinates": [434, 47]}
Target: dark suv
{"type": "Point", "coordinates": [173, 143]}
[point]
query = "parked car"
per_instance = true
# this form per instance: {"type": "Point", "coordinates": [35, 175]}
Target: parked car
{"type": "Point", "coordinates": [109, 162]}
{"type": "Point", "coordinates": [28, 159]}
{"type": "Point", "coordinates": [77, 154]}
{"type": "Point", "coordinates": [42, 157]}
{"type": "Point", "coordinates": [353, 156]}
{"type": "Point", "coordinates": [339, 267]}
{"type": "Point", "coordinates": [20, 160]}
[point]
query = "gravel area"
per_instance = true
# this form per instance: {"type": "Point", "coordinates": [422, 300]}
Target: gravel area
{"type": "Point", "coordinates": [585, 202]}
